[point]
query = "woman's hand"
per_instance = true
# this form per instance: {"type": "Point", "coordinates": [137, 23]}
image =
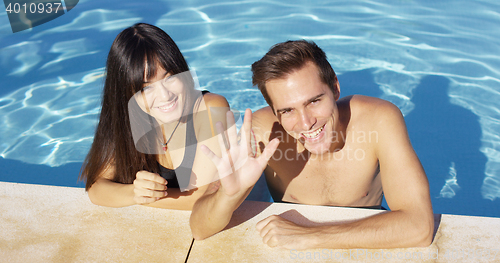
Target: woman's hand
{"type": "Point", "coordinates": [238, 169]}
{"type": "Point", "coordinates": [149, 187]}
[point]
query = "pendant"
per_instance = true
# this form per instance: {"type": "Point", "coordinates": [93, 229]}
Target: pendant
{"type": "Point", "coordinates": [165, 147]}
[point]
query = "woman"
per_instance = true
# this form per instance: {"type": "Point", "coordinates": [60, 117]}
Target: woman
{"type": "Point", "coordinates": [149, 128]}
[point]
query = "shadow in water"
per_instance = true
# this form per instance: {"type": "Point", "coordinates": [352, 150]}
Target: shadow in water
{"type": "Point", "coordinates": [359, 82]}
{"type": "Point", "coordinates": [437, 222]}
{"type": "Point", "coordinates": [20, 172]}
{"type": "Point", "coordinates": [446, 138]}
{"type": "Point", "coordinates": [260, 191]}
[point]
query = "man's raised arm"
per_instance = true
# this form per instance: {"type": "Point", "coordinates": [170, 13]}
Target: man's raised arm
{"type": "Point", "coordinates": [238, 172]}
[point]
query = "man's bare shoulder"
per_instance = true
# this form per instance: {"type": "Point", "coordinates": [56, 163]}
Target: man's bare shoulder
{"type": "Point", "coordinates": [366, 103]}
{"type": "Point", "coordinates": [263, 121]}
{"type": "Point", "coordinates": [372, 111]}
{"type": "Point", "coordinates": [264, 115]}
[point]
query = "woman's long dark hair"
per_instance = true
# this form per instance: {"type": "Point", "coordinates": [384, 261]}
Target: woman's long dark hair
{"type": "Point", "coordinates": [136, 49]}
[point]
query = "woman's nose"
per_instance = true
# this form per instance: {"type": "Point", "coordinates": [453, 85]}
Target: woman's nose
{"type": "Point", "coordinates": [165, 92]}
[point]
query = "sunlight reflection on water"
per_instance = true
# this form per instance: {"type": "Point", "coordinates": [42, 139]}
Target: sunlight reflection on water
{"type": "Point", "coordinates": [52, 120]}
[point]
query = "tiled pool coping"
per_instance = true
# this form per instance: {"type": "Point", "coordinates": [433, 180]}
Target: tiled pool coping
{"type": "Point", "coordinates": [42, 223]}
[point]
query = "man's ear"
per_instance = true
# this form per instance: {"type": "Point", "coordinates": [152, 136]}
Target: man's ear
{"type": "Point", "coordinates": [278, 116]}
{"type": "Point", "coordinates": [336, 94]}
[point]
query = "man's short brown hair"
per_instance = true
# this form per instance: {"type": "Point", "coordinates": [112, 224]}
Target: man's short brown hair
{"type": "Point", "coordinates": [286, 57]}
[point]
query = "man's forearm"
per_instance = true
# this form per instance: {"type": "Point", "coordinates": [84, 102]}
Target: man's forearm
{"type": "Point", "coordinates": [211, 213]}
{"type": "Point", "coordinates": [389, 230]}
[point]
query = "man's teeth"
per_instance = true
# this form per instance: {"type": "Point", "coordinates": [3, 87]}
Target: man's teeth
{"type": "Point", "coordinates": [314, 134]}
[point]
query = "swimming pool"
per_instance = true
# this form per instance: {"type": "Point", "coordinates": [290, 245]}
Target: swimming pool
{"type": "Point", "coordinates": [436, 60]}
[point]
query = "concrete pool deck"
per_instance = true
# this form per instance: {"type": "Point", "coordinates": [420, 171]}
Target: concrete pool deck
{"type": "Point", "coordinates": [42, 223]}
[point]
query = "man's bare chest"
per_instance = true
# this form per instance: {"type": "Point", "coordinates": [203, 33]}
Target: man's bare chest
{"type": "Point", "coordinates": [339, 181]}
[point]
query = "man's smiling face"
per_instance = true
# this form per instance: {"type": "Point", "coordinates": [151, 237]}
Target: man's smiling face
{"type": "Point", "coordinates": [306, 107]}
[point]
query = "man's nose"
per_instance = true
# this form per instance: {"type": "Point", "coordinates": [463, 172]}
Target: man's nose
{"type": "Point", "coordinates": [307, 120]}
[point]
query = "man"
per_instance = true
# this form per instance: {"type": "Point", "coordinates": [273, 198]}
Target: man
{"type": "Point", "coordinates": [337, 152]}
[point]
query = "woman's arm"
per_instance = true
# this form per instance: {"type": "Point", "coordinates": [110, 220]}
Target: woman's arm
{"type": "Point", "coordinates": [147, 188]}
{"type": "Point", "coordinates": [105, 192]}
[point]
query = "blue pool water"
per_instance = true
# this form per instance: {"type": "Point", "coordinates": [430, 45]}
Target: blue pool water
{"type": "Point", "coordinates": [436, 60]}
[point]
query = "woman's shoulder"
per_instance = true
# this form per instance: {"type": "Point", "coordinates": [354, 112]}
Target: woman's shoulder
{"type": "Point", "coordinates": [215, 100]}
{"type": "Point", "coordinates": [212, 110]}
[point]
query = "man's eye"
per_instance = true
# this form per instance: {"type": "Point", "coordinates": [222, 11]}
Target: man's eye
{"type": "Point", "coordinates": [286, 111]}
{"type": "Point", "coordinates": [315, 101]}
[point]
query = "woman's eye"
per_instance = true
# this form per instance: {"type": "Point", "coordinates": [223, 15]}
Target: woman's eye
{"type": "Point", "coordinates": [147, 88]}
{"type": "Point", "coordinates": [169, 79]}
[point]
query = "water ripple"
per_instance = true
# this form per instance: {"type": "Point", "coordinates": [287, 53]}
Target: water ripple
{"type": "Point", "coordinates": [26, 55]}
{"type": "Point", "coordinates": [68, 49]}
{"type": "Point", "coordinates": [98, 19]}
{"type": "Point", "coordinates": [56, 116]}
{"type": "Point", "coordinates": [400, 43]}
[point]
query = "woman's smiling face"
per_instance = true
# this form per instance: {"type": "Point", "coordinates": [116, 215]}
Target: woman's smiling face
{"type": "Point", "coordinates": [163, 96]}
